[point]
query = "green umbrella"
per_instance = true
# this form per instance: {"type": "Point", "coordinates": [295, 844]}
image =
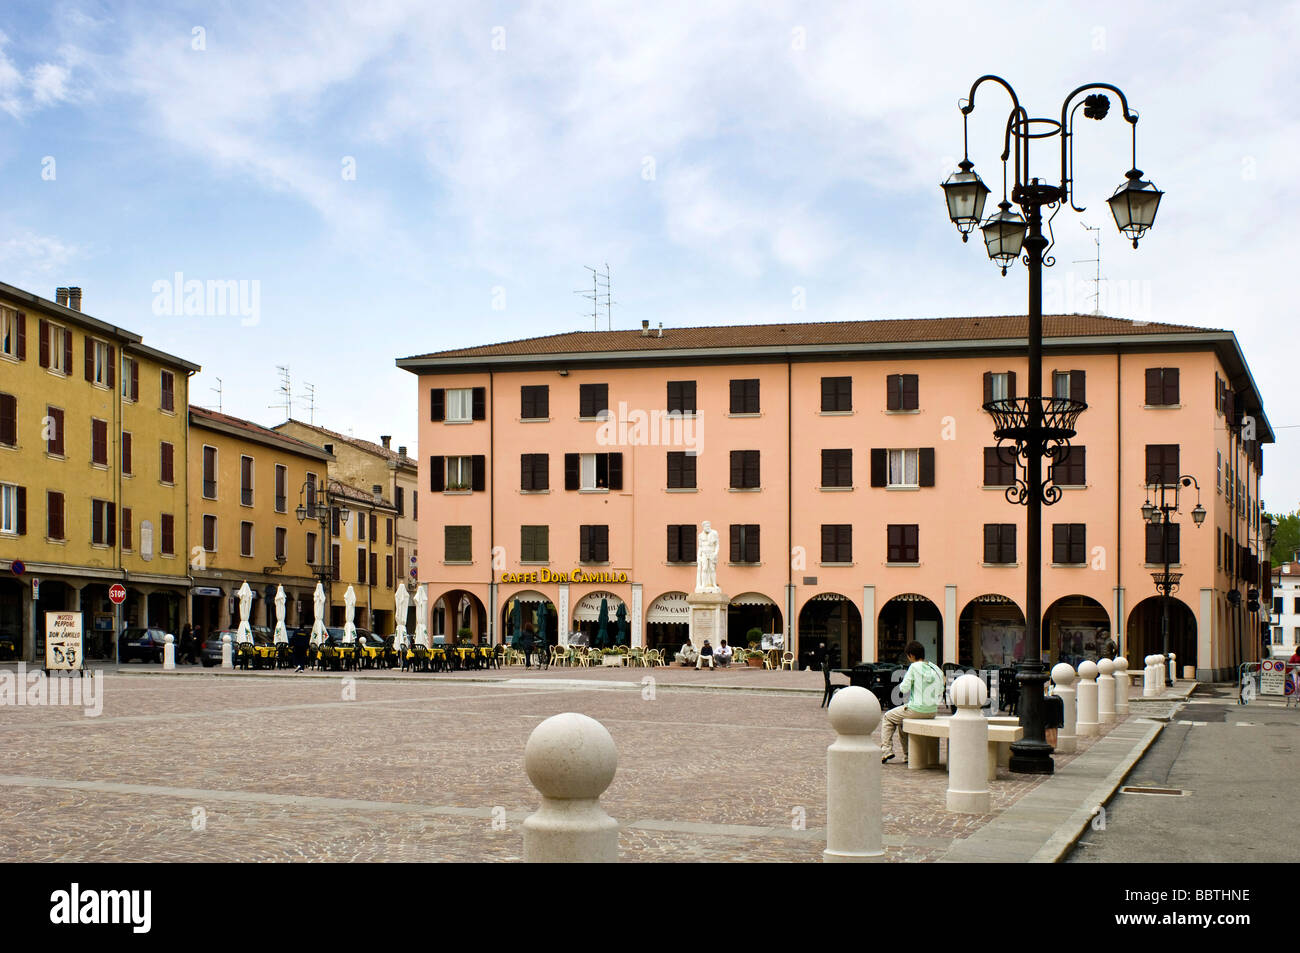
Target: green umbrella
{"type": "Point", "coordinates": [541, 623]}
{"type": "Point", "coordinates": [602, 633]}
{"type": "Point", "coordinates": [622, 624]}
{"type": "Point", "coordinates": [517, 620]}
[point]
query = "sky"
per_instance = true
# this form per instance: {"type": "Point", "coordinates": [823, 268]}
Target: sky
{"type": "Point", "coordinates": [382, 179]}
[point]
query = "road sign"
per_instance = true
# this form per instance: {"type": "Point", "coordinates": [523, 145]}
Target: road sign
{"type": "Point", "coordinates": [1272, 677]}
{"type": "Point", "coordinates": [117, 593]}
{"type": "Point", "coordinates": [36, 588]}
{"type": "Point", "coordinates": [17, 567]}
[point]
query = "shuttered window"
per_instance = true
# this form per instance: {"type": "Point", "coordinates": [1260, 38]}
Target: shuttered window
{"type": "Point", "coordinates": [534, 402]}
{"type": "Point", "coordinates": [534, 471]}
{"type": "Point", "coordinates": [246, 481]}
{"type": "Point", "coordinates": [245, 538]}
{"type": "Point", "coordinates": [902, 392]}
{"type": "Point", "coordinates": [168, 523]}
{"type": "Point", "coordinates": [681, 470]}
{"type": "Point", "coordinates": [999, 385]}
{"type": "Point", "coordinates": [744, 396]}
{"type": "Point", "coordinates": [8, 420]}
{"type": "Point", "coordinates": [593, 400]}
{"type": "Point", "coordinates": [999, 466]}
{"type": "Point", "coordinates": [103, 522]}
{"type": "Point", "coordinates": [1157, 533]}
{"type": "Point", "coordinates": [1069, 543]}
{"type": "Point", "coordinates": [210, 534]}
{"type": "Point", "coordinates": [744, 543]}
{"type": "Point", "coordinates": [54, 515]}
{"type": "Point", "coordinates": [534, 544]}
{"type": "Point", "coordinates": [744, 470]}
{"type": "Point", "coordinates": [210, 475]}
{"type": "Point", "coordinates": [837, 543]}
{"type": "Point", "coordinates": [167, 385]}
{"type": "Point", "coordinates": [126, 528]}
{"type": "Point", "coordinates": [902, 543]}
{"type": "Point", "coordinates": [166, 462]}
{"type": "Point", "coordinates": [837, 468]}
{"type": "Point", "coordinates": [837, 394]}
{"type": "Point", "coordinates": [281, 543]}
{"type": "Point", "coordinates": [1000, 543]}
{"type": "Point", "coordinates": [681, 397]}
{"type": "Point", "coordinates": [1162, 386]}
{"type": "Point", "coordinates": [55, 445]}
{"type": "Point", "coordinates": [681, 543]}
{"type": "Point", "coordinates": [361, 565]}
{"type": "Point", "coordinates": [1071, 469]}
{"type": "Point", "coordinates": [281, 490]}
{"type": "Point", "coordinates": [456, 544]}
{"type": "Point", "coordinates": [99, 441]}
{"type": "Point", "coordinates": [1162, 464]}
{"type": "Point", "coordinates": [593, 544]}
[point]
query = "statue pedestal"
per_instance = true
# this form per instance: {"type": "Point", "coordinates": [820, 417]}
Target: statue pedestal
{"type": "Point", "coordinates": [708, 617]}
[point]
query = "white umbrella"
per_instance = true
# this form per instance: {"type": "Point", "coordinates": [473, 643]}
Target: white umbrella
{"type": "Point", "coordinates": [281, 634]}
{"type": "Point", "coordinates": [318, 633]}
{"type": "Point", "coordinates": [421, 629]}
{"type": "Point", "coordinates": [245, 632]}
{"type": "Point", "coordinates": [350, 608]}
{"type": "Point", "coordinates": [401, 602]}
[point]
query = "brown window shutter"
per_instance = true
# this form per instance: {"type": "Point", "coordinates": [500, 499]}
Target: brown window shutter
{"type": "Point", "coordinates": [616, 471]}
{"type": "Point", "coordinates": [1060, 551]}
{"type": "Point", "coordinates": [67, 352]}
{"type": "Point", "coordinates": [751, 543]}
{"type": "Point", "coordinates": [389, 532]}
{"type": "Point", "coordinates": [572, 471]}
{"type": "Point", "coordinates": [8, 419]}
{"type": "Point", "coordinates": [90, 358]}
{"type": "Point", "coordinates": [96, 521]}
{"type": "Point", "coordinates": [22, 336]}
{"type": "Point", "coordinates": [374, 527]}
{"type": "Point", "coordinates": [165, 461]}
{"type": "Point", "coordinates": [135, 380]}
{"type": "Point", "coordinates": [925, 466]}
{"type": "Point", "coordinates": [110, 529]}
{"type": "Point", "coordinates": [525, 471]}
{"type": "Point", "coordinates": [736, 552]}
{"type": "Point", "coordinates": [893, 393]}
{"type": "Point", "coordinates": [478, 403]}
{"type": "Point", "coordinates": [1170, 389]}
{"type": "Point", "coordinates": [1077, 386]}
{"type": "Point", "coordinates": [1008, 549]}
{"type": "Point", "coordinates": [1153, 395]}
{"type": "Point", "coordinates": [879, 466]}
{"type": "Point", "coordinates": [388, 572]}
{"type": "Point", "coordinates": [911, 392]}
{"type": "Point", "coordinates": [437, 404]}
{"type": "Point", "coordinates": [112, 366]}
{"type": "Point", "coordinates": [44, 330]}
{"type": "Point", "coordinates": [58, 445]}
{"type": "Point", "coordinates": [1153, 544]}
{"type": "Point", "coordinates": [126, 452]}
{"type": "Point", "coordinates": [54, 515]}
{"type": "Point", "coordinates": [584, 544]}
{"type": "Point", "coordinates": [374, 569]}
{"type": "Point", "coordinates": [737, 469]}
{"type": "Point", "coordinates": [1011, 385]}
{"type": "Point", "coordinates": [990, 542]}
{"type": "Point", "coordinates": [126, 527]}
{"type": "Point", "coordinates": [22, 511]}
{"type": "Point", "coordinates": [988, 386]}
{"type": "Point", "coordinates": [437, 474]}
{"type": "Point", "coordinates": [478, 476]}
{"type": "Point", "coordinates": [674, 543]}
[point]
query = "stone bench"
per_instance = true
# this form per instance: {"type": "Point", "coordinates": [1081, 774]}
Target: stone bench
{"type": "Point", "coordinates": [923, 736]}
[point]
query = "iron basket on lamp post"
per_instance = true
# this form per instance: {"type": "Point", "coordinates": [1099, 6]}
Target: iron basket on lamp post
{"type": "Point", "coordinates": [1161, 514]}
{"type": "Point", "coordinates": [1038, 427]}
{"type": "Point", "coordinates": [315, 502]}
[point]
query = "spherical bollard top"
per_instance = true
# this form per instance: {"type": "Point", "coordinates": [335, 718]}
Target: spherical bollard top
{"type": "Point", "coordinates": [969, 691]}
{"type": "Point", "coordinates": [1106, 666]}
{"type": "Point", "coordinates": [1063, 674]}
{"type": "Point", "coordinates": [169, 638]}
{"type": "Point", "coordinates": [854, 711]}
{"type": "Point", "coordinates": [1087, 670]}
{"type": "Point", "coordinates": [570, 756]}
{"type": "Point", "coordinates": [1121, 663]}
{"type": "Point", "coordinates": [1151, 659]}
{"type": "Point", "coordinates": [362, 640]}
{"type": "Point", "coordinates": [226, 638]}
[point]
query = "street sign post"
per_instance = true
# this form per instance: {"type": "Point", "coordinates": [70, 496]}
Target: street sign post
{"type": "Point", "coordinates": [1272, 677]}
{"type": "Point", "coordinates": [117, 593]}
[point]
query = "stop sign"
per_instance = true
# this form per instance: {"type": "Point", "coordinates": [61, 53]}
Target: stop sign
{"type": "Point", "coordinates": [117, 593]}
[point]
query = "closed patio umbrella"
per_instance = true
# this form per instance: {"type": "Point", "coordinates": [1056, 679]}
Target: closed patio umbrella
{"type": "Point", "coordinates": [602, 633]}
{"type": "Point", "coordinates": [517, 624]}
{"type": "Point", "coordinates": [542, 623]}
{"type": "Point", "coordinates": [621, 615]}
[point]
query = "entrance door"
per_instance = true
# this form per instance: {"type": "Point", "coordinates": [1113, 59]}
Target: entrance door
{"type": "Point", "coordinates": [927, 633]}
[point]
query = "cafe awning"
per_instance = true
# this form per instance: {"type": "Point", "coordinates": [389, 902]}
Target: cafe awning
{"type": "Point", "coordinates": [529, 596]}
{"type": "Point", "coordinates": [752, 599]}
{"type": "Point", "coordinates": [669, 609]}
{"type": "Point", "coordinates": [588, 608]}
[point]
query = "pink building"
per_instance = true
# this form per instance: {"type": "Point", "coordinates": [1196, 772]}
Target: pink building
{"type": "Point", "coordinates": [853, 477]}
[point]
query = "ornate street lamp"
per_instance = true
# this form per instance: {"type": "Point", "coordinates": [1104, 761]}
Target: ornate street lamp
{"type": "Point", "coordinates": [1162, 514]}
{"type": "Point", "coordinates": [1039, 427]}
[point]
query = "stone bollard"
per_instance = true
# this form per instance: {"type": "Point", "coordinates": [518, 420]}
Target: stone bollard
{"type": "Point", "coordinates": [571, 760]}
{"type": "Point", "coordinates": [1106, 691]}
{"type": "Point", "coordinates": [227, 659]}
{"type": "Point", "coordinates": [169, 652]}
{"type": "Point", "coordinates": [853, 817]}
{"type": "Point", "coordinates": [1153, 678]}
{"type": "Point", "coordinates": [1172, 668]}
{"type": "Point", "coordinates": [968, 748]}
{"type": "Point", "coordinates": [1087, 711]}
{"type": "Point", "coordinates": [1063, 677]}
{"type": "Point", "coordinates": [1121, 685]}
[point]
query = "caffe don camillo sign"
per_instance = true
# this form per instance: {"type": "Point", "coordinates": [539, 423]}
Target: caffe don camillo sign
{"type": "Point", "coordinates": [63, 640]}
{"type": "Point", "coordinates": [550, 575]}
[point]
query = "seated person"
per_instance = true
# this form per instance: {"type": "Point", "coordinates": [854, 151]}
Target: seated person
{"type": "Point", "coordinates": [723, 655]}
{"type": "Point", "coordinates": [923, 685]}
{"type": "Point", "coordinates": [706, 654]}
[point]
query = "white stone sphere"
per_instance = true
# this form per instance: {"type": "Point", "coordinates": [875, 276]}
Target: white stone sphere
{"type": "Point", "coordinates": [226, 638]}
{"type": "Point", "coordinates": [1106, 667]}
{"type": "Point", "coordinates": [1152, 659]}
{"type": "Point", "coordinates": [1063, 674]}
{"type": "Point", "coordinates": [854, 711]}
{"type": "Point", "coordinates": [168, 638]}
{"type": "Point", "coordinates": [969, 691]}
{"type": "Point", "coordinates": [1087, 670]}
{"type": "Point", "coordinates": [570, 756]}
{"type": "Point", "coordinates": [1121, 663]}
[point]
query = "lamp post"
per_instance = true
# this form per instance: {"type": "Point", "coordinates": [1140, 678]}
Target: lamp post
{"type": "Point", "coordinates": [1161, 514]}
{"type": "Point", "coordinates": [1039, 427]}
{"type": "Point", "coordinates": [316, 502]}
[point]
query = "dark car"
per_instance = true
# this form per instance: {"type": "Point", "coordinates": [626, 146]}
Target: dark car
{"type": "Point", "coordinates": [10, 644]}
{"type": "Point", "coordinates": [144, 644]}
{"type": "Point", "coordinates": [210, 655]}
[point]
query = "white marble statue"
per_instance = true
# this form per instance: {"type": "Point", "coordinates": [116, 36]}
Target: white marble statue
{"type": "Point", "coordinates": [706, 560]}
{"type": "Point", "coordinates": [421, 616]}
{"type": "Point", "coordinates": [245, 633]}
{"type": "Point", "coordinates": [401, 602]}
{"type": "Point", "coordinates": [349, 611]}
{"type": "Point", "coordinates": [318, 633]}
{"type": "Point", "coordinates": [281, 633]}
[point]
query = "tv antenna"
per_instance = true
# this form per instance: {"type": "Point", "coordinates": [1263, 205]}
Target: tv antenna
{"type": "Point", "coordinates": [310, 397]}
{"type": "Point", "coordinates": [285, 391]}
{"type": "Point", "coordinates": [1096, 292]}
{"type": "Point", "coordinates": [217, 391]}
{"type": "Point", "coordinates": [598, 295]}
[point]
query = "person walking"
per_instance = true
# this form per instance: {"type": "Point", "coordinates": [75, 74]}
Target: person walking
{"type": "Point", "coordinates": [528, 641]}
{"type": "Point", "coordinates": [923, 686]}
{"type": "Point", "coordinates": [298, 641]}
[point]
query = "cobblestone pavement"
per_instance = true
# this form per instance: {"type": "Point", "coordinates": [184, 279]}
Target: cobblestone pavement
{"type": "Point", "coordinates": [222, 767]}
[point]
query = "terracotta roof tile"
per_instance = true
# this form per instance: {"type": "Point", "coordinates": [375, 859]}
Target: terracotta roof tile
{"type": "Point", "coordinates": [814, 333]}
{"type": "Point", "coordinates": [375, 448]}
{"type": "Point", "coordinates": [256, 431]}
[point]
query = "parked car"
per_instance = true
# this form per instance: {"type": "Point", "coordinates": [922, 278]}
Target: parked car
{"type": "Point", "coordinates": [144, 644]}
{"type": "Point", "coordinates": [210, 654]}
{"type": "Point", "coordinates": [10, 644]}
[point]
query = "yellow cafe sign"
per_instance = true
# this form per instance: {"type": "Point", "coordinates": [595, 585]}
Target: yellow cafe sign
{"type": "Point", "coordinates": [550, 575]}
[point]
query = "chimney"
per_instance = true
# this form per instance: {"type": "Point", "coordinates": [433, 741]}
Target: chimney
{"type": "Point", "coordinates": [385, 440]}
{"type": "Point", "coordinates": [74, 299]}
{"type": "Point", "coordinates": [661, 329]}
{"type": "Point", "coordinates": [61, 296]}
{"type": "Point", "coordinates": [401, 452]}
{"type": "Point", "coordinates": [377, 492]}
{"type": "Point", "coordinates": [645, 327]}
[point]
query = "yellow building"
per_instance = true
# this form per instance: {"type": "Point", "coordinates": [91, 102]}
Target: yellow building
{"type": "Point", "coordinates": [365, 465]}
{"type": "Point", "coordinates": [246, 484]}
{"type": "Point", "coordinates": [92, 477]}
{"type": "Point", "coordinates": [363, 555]}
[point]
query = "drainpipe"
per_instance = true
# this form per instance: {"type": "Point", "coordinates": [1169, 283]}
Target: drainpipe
{"type": "Point", "coordinates": [789, 512]}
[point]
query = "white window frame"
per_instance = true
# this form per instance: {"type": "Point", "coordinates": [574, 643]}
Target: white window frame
{"type": "Point", "coordinates": [589, 471]}
{"type": "Point", "coordinates": [9, 509]}
{"type": "Point", "coordinates": [460, 473]}
{"type": "Point", "coordinates": [898, 463]}
{"type": "Point", "coordinates": [8, 332]}
{"type": "Point", "coordinates": [100, 375]}
{"type": "Point", "coordinates": [216, 472]}
{"type": "Point", "coordinates": [127, 364]}
{"type": "Point", "coordinates": [216, 533]}
{"type": "Point", "coordinates": [252, 479]}
{"type": "Point", "coordinates": [1000, 384]}
{"type": "Point", "coordinates": [252, 537]}
{"type": "Point", "coordinates": [1059, 378]}
{"type": "Point", "coordinates": [58, 348]}
{"type": "Point", "coordinates": [458, 406]}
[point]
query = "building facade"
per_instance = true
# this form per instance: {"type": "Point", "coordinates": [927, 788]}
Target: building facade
{"type": "Point", "coordinates": [93, 483]}
{"type": "Point", "coordinates": [1285, 621]}
{"type": "Point", "coordinates": [365, 465]}
{"type": "Point", "coordinates": [247, 482]}
{"type": "Point", "coordinates": [852, 474]}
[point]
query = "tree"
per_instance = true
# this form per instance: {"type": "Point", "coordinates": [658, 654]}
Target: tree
{"type": "Point", "coordinates": [1286, 537]}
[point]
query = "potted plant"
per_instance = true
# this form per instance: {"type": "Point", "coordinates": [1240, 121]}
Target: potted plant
{"type": "Point", "coordinates": [612, 657]}
{"type": "Point", "coordinates": [754, 658]}
{"type": "Point", "coordinates": [465, 636]}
